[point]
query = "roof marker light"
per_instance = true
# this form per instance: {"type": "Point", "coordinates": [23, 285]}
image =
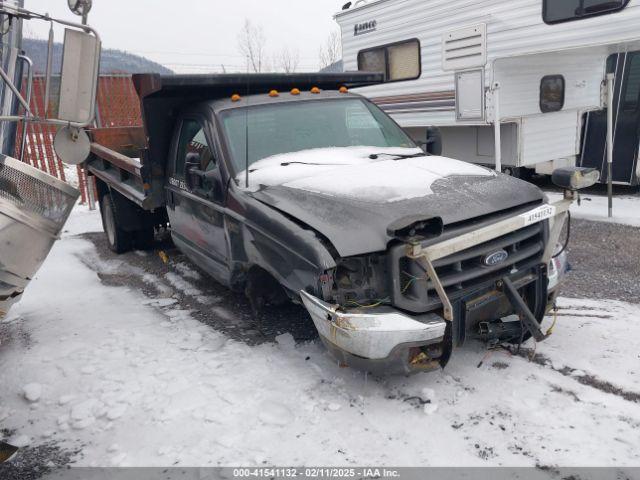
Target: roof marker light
{"type": "Point", "coordinates": [295, 91]}
{"type": "Point", "coordinates": [315, 90]}
{"type": "Point", "coordinates": [343, 89]}
{"type": "Point", "coordinates": [235, 97]}
{"type": "Point", "coordinates": [274, 93]}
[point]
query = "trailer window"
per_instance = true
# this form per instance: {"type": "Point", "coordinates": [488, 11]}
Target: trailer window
{"type": "Point", "coordinates": [398, 61]}
{"type": "Point", "coordinates": [556, 11]}
{"type": "Point", "coordinates": [373, 61]}
{"type": "Point", "coordinates": [552, 91]}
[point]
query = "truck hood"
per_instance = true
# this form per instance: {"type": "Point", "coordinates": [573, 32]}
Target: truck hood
{"type": "Point", "coordinates": [353, 205]}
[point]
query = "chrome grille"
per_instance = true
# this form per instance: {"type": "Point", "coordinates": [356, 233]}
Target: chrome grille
{"type": "Point", "coordinates": [466, 270]}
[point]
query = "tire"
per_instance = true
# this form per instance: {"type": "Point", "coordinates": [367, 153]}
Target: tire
{"type": "Point", "coordinates": [522, 173]}
{"type": "Point", "coordinates": [511, 171]}
{"type": "Point", "coordinates": [119, 241]}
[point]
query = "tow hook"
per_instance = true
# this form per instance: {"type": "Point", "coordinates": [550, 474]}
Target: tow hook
{"type": "Point", "coordinates": [529, 320]}
{"type": "Point", "coordinates": [497, 332]}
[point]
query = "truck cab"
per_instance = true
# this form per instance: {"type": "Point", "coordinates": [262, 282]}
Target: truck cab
{"type": "Point", "coordinates": [294, 188]}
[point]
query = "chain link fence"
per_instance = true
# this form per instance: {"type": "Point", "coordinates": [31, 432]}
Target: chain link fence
{"type": "Point", "coordinates": [117, 106]}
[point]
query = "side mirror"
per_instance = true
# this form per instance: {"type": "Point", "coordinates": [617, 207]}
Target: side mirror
{"type": "Point", "coordinates": [79, 78]}
{"type": "Point", "coordinates": [212, 181]}
{"type": "Point", "coordinates": [192, 160]}
{"type": "Point", "coordinates": [575, 178]}
{"type": "Point", "coordinates": [75, 107]}
{"type": "Point", "coordinates": [191, 166]}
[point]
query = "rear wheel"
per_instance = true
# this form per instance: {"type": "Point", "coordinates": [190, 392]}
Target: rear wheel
{"type": "Point", "coordinates": [119, 241]}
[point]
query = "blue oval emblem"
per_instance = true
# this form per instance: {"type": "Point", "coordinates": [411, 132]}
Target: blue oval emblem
{"type": "Point", "coordinates": [495, 258]}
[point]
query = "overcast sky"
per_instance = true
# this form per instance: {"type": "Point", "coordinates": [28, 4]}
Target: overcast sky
{"type": "Point", "coordinates": [191, 35]}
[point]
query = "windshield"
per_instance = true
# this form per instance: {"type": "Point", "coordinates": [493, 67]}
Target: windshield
{"type": "Point", "coordinates": [293, 127]}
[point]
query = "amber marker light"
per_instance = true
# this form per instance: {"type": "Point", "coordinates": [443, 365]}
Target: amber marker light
{"type": "Point", "coordinates": [343, 89]}
{"type": "Point", "coordinates": [274, 93]}
{"type": "Point", "coordinates": [295, 91]}
{"type": "Point", "coordinates": [235, 97]}
{"type": "Point", "coordinates": [315, 90]}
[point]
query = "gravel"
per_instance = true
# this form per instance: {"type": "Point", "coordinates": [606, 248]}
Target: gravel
{"type": "Point", "coordinates": [605, 261]}
{"type": "Point", "coordinates": [32, 463]}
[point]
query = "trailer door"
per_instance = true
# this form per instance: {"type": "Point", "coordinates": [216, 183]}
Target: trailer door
{"type": "Point", "coordinates": [626, 118]}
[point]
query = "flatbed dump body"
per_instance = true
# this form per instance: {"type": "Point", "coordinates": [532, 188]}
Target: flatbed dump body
{"type": "Point", "coordinates": [115, 159]}
{"type": "Point", "coordinates": [290, 187]}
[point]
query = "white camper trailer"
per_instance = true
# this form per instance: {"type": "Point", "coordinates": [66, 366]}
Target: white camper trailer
{"type": "Point", "coordinates": [538, 66]}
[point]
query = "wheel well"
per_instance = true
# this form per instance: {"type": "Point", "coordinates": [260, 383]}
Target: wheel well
{"type": "Point", "coordinates": [261, 288]}
{"type": "Point", "coordinates": [102, 188]}
{"type": "Point", "coordinates": [129, 216]}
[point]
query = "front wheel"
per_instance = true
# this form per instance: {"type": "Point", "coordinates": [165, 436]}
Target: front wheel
{"type": "Point", "coordinates": [119, 241]}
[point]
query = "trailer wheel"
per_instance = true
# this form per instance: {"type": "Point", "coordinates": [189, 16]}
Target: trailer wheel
{"type": "Point", "coordinates": [119, 241]}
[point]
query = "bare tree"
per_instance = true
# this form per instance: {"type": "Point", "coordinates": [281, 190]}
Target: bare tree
{"type": "Point", "coordinates": [289, 60]}
{"type": "Point", "coordinates": [252, 44]}
{"type": "Point", "coordinates": [331, 52]}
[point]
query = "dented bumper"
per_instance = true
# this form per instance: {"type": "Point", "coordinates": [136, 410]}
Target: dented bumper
{"type": "Point", "coordinates": [374, 339]}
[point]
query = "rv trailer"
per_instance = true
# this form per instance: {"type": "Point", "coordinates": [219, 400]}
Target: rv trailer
{"type": "Point", "coordinates": [537, 66]}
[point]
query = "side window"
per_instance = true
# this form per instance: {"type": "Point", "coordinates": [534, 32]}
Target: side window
{"type": "Point", "coordinates": [193, 140]}
{"type": "Point", "coordinates": [557, 11]}
{"type": "Point", "coordinates": [552, 91]}
{"type": "Point", "coordinates": [398, 61]}
{"type": "Point", "coordinates": [373, 61]}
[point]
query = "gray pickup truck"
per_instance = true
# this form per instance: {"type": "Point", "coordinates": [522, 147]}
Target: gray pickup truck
{"type": "Point", "coordinates": [291, 187]}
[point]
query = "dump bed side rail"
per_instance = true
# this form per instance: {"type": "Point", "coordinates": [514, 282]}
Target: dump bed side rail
{"type": "Point", "coordinates": [115, 159]}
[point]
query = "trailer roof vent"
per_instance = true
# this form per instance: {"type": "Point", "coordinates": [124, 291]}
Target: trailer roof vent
{"type": "Point", "coordinates": [465, 48]}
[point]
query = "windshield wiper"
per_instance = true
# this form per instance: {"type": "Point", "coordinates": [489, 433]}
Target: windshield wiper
{"type": "Point", "coordinates": [286, 164]}
{"type": "Point", "coordinates": [373, 156]}
{"type": "Point", "coordinates": [398, 156]}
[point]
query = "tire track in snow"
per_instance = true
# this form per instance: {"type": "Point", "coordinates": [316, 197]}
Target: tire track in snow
{"type": "Point", "coordinates": [581, 377]}
{"type": "Point", "coordinates": [207, 301]}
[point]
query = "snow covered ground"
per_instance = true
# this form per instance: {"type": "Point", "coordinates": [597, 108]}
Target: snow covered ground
{"type": "Point", "coordinates": [124, 379]}
{"type": "Point", "coordinates": [626, 209]}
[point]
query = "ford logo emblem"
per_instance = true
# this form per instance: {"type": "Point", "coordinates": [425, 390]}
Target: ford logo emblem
{"type": "Point", "coordinates": [495, 258]}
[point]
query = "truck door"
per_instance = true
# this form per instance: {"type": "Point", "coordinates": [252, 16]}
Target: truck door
{"type": "Point", "coordinates": [196, 200]}
{"type": "Point", "coordinates": [626, 118]}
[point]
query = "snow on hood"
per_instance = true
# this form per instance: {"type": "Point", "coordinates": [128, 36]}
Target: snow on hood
{"type": "Point", "coordinates": [349, 172]}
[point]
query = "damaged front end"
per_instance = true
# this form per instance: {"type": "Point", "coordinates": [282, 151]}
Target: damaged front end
{"type": "Point", "coordinates": [378, 339]}
{"type": "Point", "coordinates": [405, 311]}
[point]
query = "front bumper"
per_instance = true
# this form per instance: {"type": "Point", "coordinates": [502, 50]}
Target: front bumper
{"type": "Point", "coordinates": [376, 339]}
